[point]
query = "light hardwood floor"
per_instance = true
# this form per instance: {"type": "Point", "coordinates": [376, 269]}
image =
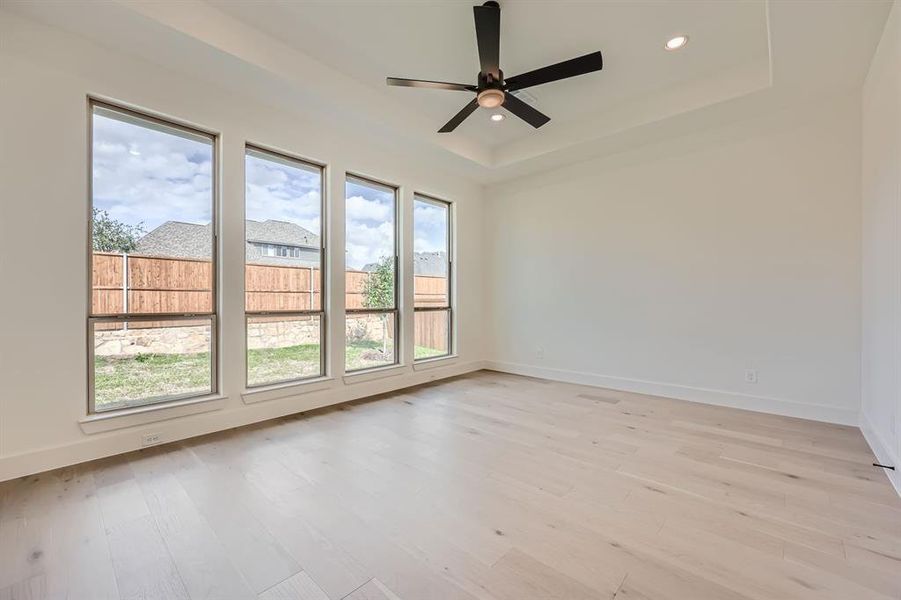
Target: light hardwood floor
{"type": "Point", "coordinates": [484, 486]}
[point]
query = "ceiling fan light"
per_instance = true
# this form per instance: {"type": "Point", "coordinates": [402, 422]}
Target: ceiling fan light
{"type": "Point", "coordinates": [676, 42]}
{"type": "Point", "coordinates": [497, 117]}
{"type": "Point", "coordinates": [491, 98]}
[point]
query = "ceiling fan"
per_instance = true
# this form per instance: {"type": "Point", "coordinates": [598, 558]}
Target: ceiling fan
{"type": "Point", "coordinates": [493, 89]}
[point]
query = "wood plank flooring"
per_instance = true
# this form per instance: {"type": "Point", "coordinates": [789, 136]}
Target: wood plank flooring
{"type": "Point", "coordinates": [486, 486]}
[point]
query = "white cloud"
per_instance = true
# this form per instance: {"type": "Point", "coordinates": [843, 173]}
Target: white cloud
{"type": "Point", "coordinates": [145, 175]}
{"type": "Point", "coordinates": [283, 193]}
{"type": "Point", "coordinates": [362, 209]}
{"type": "Point", "coordinates": [429, 227]}
{"type": "Point", "coordinates": [368, 243]}
{"type": "Point", "coordinates": [424, 244]}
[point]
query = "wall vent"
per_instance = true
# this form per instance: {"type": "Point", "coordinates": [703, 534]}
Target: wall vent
{"type": "Point", "coordinates": [525, 97]}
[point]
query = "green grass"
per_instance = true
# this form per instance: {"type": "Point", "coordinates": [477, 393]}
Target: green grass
{"type": "Point", "coordinates": [366, 354]}
{"type": "Point", "coordinates": [128, 381]}
{"type": "Point", "coordinates": [273, 365]}
{"type": "Point", "coordinates": [133, 380]}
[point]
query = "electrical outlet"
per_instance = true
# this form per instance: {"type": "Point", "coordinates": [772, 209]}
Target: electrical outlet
{"type": "Point", "coordinates": [539, 352]}
{"type": "Point", "coordinates": [751, 376]}
{"type": "Point", "coordinates": [151, 439]}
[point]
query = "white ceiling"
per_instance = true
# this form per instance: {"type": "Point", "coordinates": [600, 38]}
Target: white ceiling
{"type": "Point", "coordinates": [436, 40]}
{"type": "Point", "coordinates": [743, 56]}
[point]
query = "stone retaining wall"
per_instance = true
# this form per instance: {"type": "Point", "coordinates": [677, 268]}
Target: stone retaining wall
{"type": "Point", "coordinates": [158, 340]}
{"type": "Point", "coordinates": [264, 332]}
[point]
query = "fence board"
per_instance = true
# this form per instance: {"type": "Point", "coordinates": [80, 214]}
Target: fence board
{"type": "Point", "coordinates": [160, 284]}
{"type": "Point", "coordinates": [169, 274]}
{"type": "Point", "coordinates": [431, 329]}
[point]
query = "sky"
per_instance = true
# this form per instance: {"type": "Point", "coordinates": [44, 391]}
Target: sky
{"type": "Point", "coordinates": [369, 224]}
{"type": "Point", "coordinates": [146, 176]}
{"type": "Point", "coordinates": [429, 227]}
{"type": "Point", "coordinates": [283, 192]}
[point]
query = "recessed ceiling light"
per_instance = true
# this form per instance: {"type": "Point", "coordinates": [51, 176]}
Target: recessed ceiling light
{"type": "Point", "coordinates": [497, 117]}
{"type": "Point", "coordinates": [677, 42]}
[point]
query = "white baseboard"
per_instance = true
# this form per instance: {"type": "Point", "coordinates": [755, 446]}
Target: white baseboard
{"type": "Point", "coordinates": [883, 451]}
{"type": "Point", "coordinates": [101, 445]}
{"type": "Point", "coordinates": [778, 406]}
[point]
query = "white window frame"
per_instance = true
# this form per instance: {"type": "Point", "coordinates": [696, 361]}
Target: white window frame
{"type": "Point", "coordinates": [321, 312]}
{"type": "Point", "coordinates": [449, 305]}
{"type": "Point", "coordinates": [94, 319]}
{"type": "Point", "coordinates": [395, 311]}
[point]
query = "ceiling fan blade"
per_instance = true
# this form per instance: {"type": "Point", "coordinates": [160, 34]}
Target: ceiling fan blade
{"type": "Point", "coordinates": [488, 37]}
{"type": "Point", "coordinates": [434, 85]}
{"type": "Point", "coordinates": [460, 117]}
{"type": "Point", "coordinates": [563, 70]}
{"type": "Point", "coordinates": [525, 112]}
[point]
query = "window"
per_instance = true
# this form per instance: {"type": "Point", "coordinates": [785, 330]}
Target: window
{"type": "Point", "coordinates": [431, 278]}
{"type": "Point", "coordinates": [152, 311]}
{"type": "Point", "coordinates": [371, 327]}
{"type": "Point", "coordinates": [278, 250]}
{"type": "Point", "coordinates": [283, 292]}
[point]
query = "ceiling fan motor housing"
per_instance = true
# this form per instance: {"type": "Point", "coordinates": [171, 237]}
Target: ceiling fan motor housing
{"type": "Point", "coordinates": [490, 91]}
{"type": "Point", "coordinates": [491, 98]}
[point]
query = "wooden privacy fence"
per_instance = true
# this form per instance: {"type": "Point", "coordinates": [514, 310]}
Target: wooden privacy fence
{"type": "Point", "coordinates": [132, 283]}
{"type": "Point", "coordinates": [152, 284]}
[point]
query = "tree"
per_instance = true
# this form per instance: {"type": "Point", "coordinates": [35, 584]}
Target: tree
{"type": "Point", "coordinates": [378, 292]}
{"type": "Point", "coordinates": [111, 235]}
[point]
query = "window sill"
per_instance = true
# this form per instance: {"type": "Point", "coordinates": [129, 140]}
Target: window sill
{"type": "Point", "coordinates": [142, 415]}
{"type": "Point", "coordinates": [376, 373]}
{"type": "Point", "coordinates": [284, 390]}
{"type": "Point", "coordinates": [433, 363]}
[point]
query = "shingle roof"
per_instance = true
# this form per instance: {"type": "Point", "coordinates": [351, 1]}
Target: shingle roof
{"type": "Point", "coordinates": [280, 232]}
{"type": "Point", "coordinates": [433, 264]}
{"type": "Point", "coordinates": [191, 240]}
{"type": "Point", "coordinates": [178, 240]}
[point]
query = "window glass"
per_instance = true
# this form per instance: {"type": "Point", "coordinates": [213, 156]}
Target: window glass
{"type": "Point", "coordinates": [430, 252]}
{"type": "Point", "coordinates": [144, 362]}
{"type": "Point", "coordinates": [283, 348]}
{"type": "Point", "coordinates": [370, 340]}
{"type": "Point", "coordinates": [431, 278]}
{"type": "Point", "coordinates": [283, 270]}
{"type": "Point", "coordinates": [152, 310]}
{"type": "Point", "coordinates": [371, 276]}
{"type": "Point", "coordinates": [370, 244]}
{"type": "Point", "coordinates": [432, 333]}
{"type": "Point", "coordinates": [152, 217]}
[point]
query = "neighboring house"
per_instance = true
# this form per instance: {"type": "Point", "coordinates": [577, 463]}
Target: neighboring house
{"type": "Point", "coordinates": [268, 242]}
{"type": "Point", "coordinates": [430, 264]}
{"type": "Point", "coordinates": [281, 243]}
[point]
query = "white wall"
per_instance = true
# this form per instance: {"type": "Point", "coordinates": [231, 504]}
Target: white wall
{"type": "Point", "coordinates": [46, 75]}
{"type": "Point", "coordinates": [881, 352]}
{"type": "Point", "coordinates": [673, 268]}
